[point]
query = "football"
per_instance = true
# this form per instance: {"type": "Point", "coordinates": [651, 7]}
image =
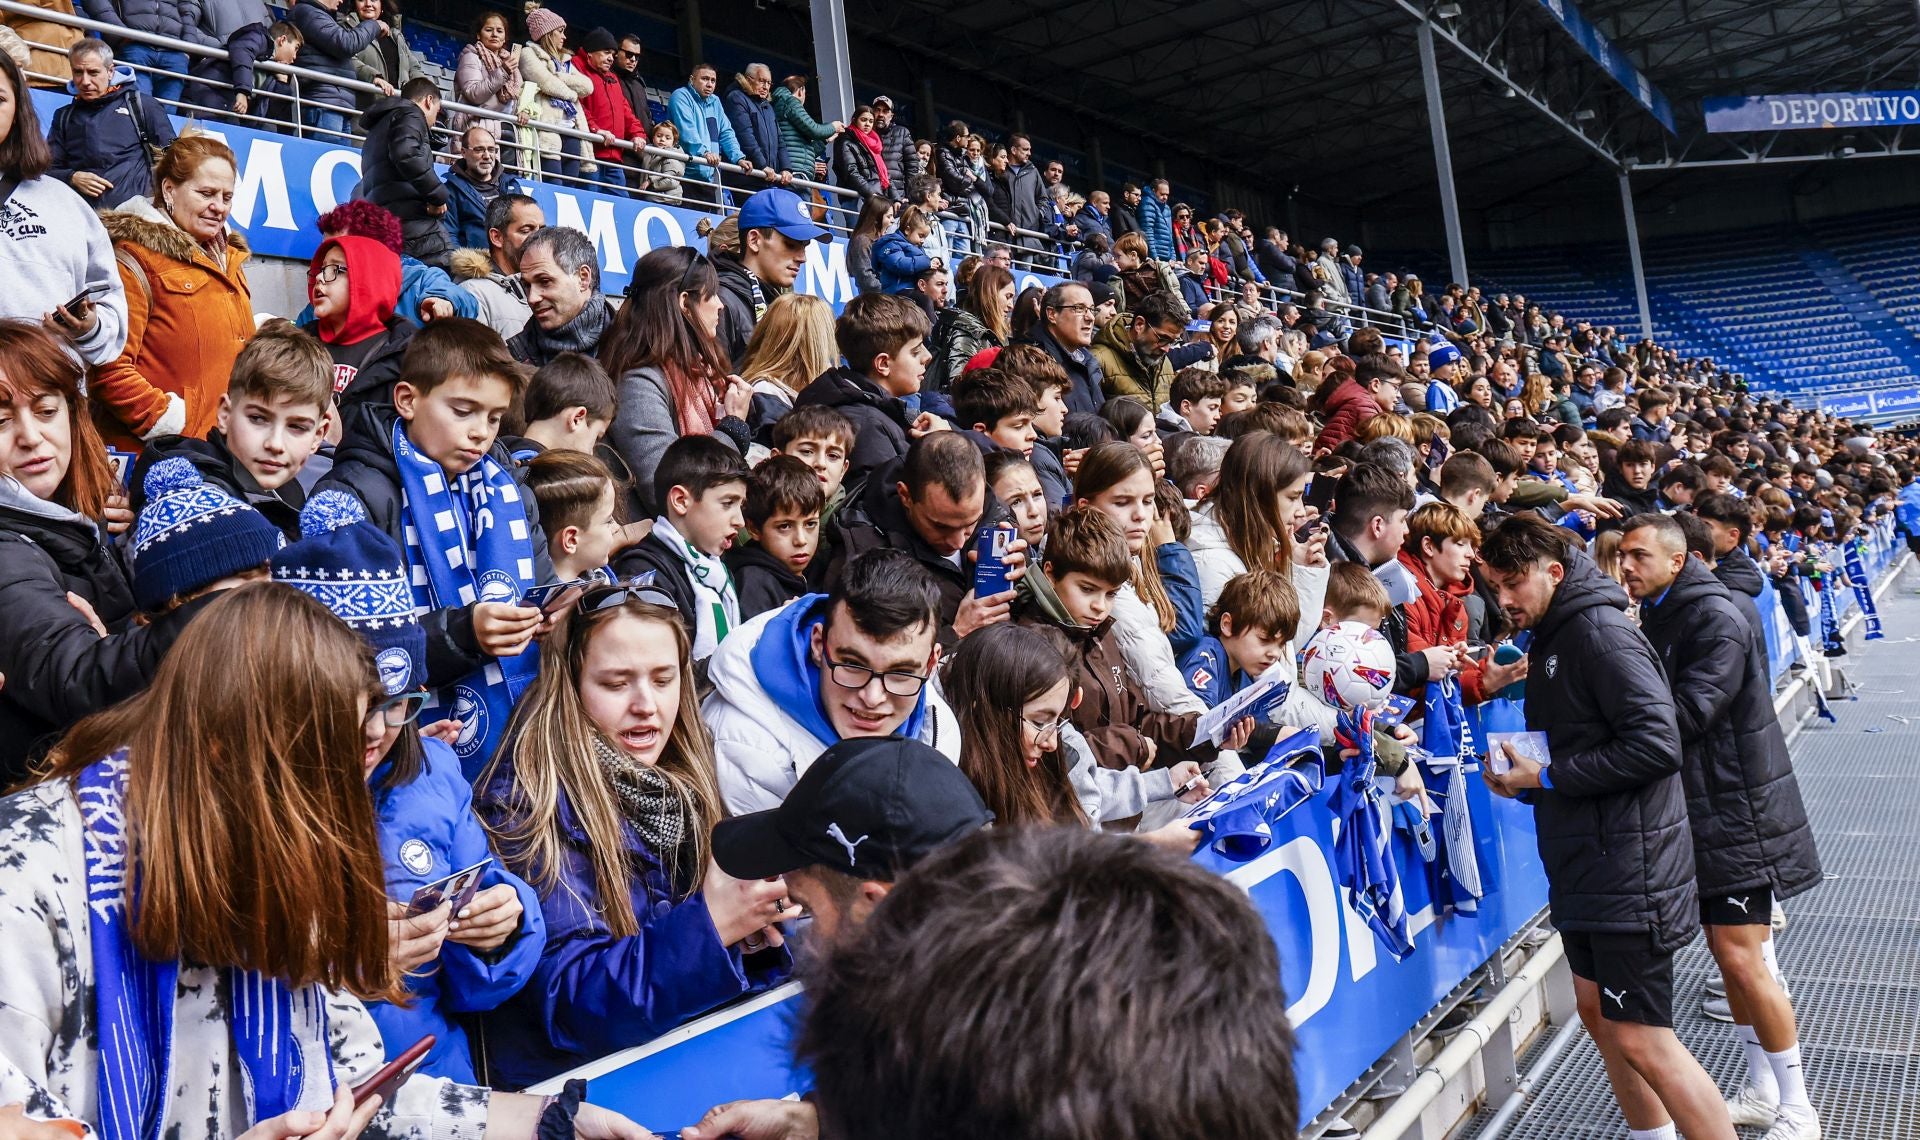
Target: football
{"type": "Point", "coordinates": [1348, 666]}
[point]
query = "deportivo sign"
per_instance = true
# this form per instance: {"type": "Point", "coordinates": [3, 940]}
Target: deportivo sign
{"type": "Point", "coordinates": [1812, 112]}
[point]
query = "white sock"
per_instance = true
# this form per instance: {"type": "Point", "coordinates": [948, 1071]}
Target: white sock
{"type": "Point", "coordinates": [1759, 1067]}
{"type": "Point", "coordinates": [1791, 1078]}
{"type": "Point", "coordinates": [1664, 1132]}
{"type": "Point", "coordinates": [1766, 953]}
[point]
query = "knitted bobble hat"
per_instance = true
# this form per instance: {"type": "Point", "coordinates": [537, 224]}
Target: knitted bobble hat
{"type": "Point", "coordinates": [353, 568]}
{"type": "Point", "coordinates": [191, 534]}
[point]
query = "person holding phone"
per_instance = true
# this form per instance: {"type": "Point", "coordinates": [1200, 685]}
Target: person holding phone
{"type": "Point", "coordinates": [604, 796]}
{"type": "Point", "coordinates": [235, 782]}
{"type": "Point", "coordinates": [55, 255]}
{"type": "Point", "coordinates": [456, 956]}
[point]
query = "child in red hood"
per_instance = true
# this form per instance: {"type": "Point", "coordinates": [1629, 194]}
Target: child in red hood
{"type": "Point", "coordinates": [353, 285]}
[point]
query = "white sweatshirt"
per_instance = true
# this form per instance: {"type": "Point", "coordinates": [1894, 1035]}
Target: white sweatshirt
{"type": "Point", "coordinates": [52, 246]}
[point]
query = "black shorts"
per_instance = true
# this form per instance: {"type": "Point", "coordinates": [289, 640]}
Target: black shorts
{"type": "Point", "coordinates": [1746, 908]}
{"type": "Point", "coordinates": [1635, 980]}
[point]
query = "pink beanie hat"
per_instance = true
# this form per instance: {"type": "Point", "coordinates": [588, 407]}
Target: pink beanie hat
{"type": "Point", "coordinates": [540, 21]}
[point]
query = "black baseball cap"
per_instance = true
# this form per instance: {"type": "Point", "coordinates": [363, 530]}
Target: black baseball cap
{"type": "Point", "coordinates": [870, 807]}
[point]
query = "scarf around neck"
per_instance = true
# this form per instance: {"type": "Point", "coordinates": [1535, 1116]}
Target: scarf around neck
{"type": "Point", "coordinates": [581, 334]}
{"type": "Point", "coordinates": [871, 140]}
{"type": "Point", "coordinates": [648, 800]}
{"type": "Point", "coordinates": [719, 606]}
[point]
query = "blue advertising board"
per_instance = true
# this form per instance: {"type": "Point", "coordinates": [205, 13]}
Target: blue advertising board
{"type": "Point", "coordinates": [1876, 403]}
{"type": "Point", "coordinates": [1611, 59]}
{"type": "Point", "coordinates": [286, 183]}
{"type": "Point", "coordinates": [1814, 111]}
{"type": "Point", "coordinates": [1349, 1000]}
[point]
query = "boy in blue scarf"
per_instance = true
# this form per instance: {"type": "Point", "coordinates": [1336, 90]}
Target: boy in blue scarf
{"type": "Point", "coordinates": [432, 475]}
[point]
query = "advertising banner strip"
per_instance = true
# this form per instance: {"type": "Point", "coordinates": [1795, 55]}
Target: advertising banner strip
{"type": "Point", "coordinates": [1611, 59]}
{"type": "Point", "coordinates": [1819, 111]}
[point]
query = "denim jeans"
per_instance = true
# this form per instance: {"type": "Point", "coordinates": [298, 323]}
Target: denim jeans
{"type": "Point", "coordinates": [612, 176]}
{"type": "Point", "coordinates": [561, 168]}
{"type": "Point", "coordinates": [158, 86]}
{"type": "Point", "coordinates": [326, 119]}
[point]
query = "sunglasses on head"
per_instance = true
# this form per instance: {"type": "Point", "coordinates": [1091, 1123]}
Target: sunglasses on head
{"type": "Point", "coordinates": [610, 595]}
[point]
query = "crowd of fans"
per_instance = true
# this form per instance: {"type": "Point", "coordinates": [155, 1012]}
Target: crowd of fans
{"type": "Point", "coordinates": [664, 621]}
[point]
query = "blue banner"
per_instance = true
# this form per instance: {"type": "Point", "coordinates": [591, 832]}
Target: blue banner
{"type": "Point", "coordinates": [286, 183]}
{"type": "Point", "coordinates": [1350, 1000]}
{"type": "Point", "coordinates": [1877, 403]}
{"type": "Point", "coordinates": [1611, 59]}
{"type": "Point", "coordinates": [1811, 112]}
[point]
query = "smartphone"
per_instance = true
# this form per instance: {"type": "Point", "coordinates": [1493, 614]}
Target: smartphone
{"type": "Point", "coordinates": [990, 561]}
{"type": "Point", "coordinates": [554, 596]}
{"type": "Point", "coordinates": [457, 888]}
{"type": "Point", "coordinates": [1307, 529]}
{"type": "Point", "coordinates": [73, 309]}
{"type": "Point", "coordinates": [1320, 490]}
{"type": "Point", "coordinates": [1477, 650]}
{"type": "Point", "coordinates": [393, 1074]}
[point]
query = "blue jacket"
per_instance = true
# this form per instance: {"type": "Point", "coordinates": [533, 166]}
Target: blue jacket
{"type": "Point", "coordinates": [1156, 224]}
{"type": "Point", "coordinates": [704, 129]}
{"type": "Point", "coordinates": [1181, 576]}
{"type": "Point", "coordinates": [99, 136]}
{"type": "Point", "coordinates": [593, 993]}
{"type": "Point", "coordinates": [898, 261]}
{"type": "Point", "coordinates": [1208, 672]}
{"type": "Point", "coordinates": [427, 832]}
{"type": "Point", "coordinates": [466, 216]}
{"type": "Point", "coordinates": [175, 19]}
{"type": "Point", "coordinates": [328, 46]}
{"type": "Point", "coordinates": [418, 281]}
{"type": "Point", "coordinates": [1906, 513]}
{"type": "Point", "coordinates": [1193, 291]}
{"type": "Point", "coordinates": [1091, 222]}
{"type": "Point", "coordinates": [755, 127]}
{"type": "Point", "coordinates": [1356, 281]}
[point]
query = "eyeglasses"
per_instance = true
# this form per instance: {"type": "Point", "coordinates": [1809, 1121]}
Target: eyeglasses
{"type": "Point", "coordinates": [1045, 731]}
{"type": "Point", "coordinates": [849, 676]}
{"type": "Point", "coordinates": [396, 712]}
{"type": "Point", "coordinates": [327, 274]}
{"type": "Point", "coordinates": [1082, 310]}
{"type": "Point", "coordinates": [608, 595]}
{"type": "Point", "coordinates": [686, 278]}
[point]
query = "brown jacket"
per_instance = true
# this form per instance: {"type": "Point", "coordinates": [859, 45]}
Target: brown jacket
{"type": "Point", "coordinates": [47, 32]}
{"type": "Point", "coordinates": [187, 319]}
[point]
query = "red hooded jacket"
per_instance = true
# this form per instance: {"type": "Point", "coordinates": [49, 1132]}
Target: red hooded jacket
{"type": "Point", "coordinates": [1439, 617]}
{"type": "Point", "coordinates": [1347, 408]}
{"type": "Point", "coordinates": [608, 110]}
{"type": "Point", "coordinates": [373, 288]}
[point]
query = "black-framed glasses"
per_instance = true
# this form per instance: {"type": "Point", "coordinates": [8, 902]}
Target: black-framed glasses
{"type": "Point", "coordinates": [610, 594]}
{"type": "Point", "coordinates": [850, 676]}
{"type": "Point", "coordinates": [327, 274]}
{"type": "Point", "coordinates": [1080, 310]}
{"type": "Point", "coordinates": [397, 711]}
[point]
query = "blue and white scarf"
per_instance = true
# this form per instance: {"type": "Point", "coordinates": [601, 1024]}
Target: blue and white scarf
{"type": "Point", "coordinates": [468, 541]}
{"type": "Point", "coordinates": [1831, 643]}
{"type": "Point", "coordinates": [1363, 851]}
{"type": "Point", "coordinates": [1863, 589]}
{"type": "Point", "coordinates": [279, 1035]}
{"type": "Point", "coordinates": [1444, 738]}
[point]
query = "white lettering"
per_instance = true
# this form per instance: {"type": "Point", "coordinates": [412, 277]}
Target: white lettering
{"type": "Point", "coordinates": [263, 175]}
{"type": "Point", "coordinates": [1847, 114]}
{"type": "Point", "coordinates": [1829, 110]}
{"type": "Point", "coordinates": [602, 229]}
{"type": "Point", "coordinates": [1777, 113]}
{"type": "Point", "coordinates": [825, 274]}
{"type": "Point", "coordinates": [321, 185]}
{"type": "Point", "coordinates": [1909, 108]}
{"type": "Point", "coordinates": [643, 224]}
{"type": "Point", "coordinates": [1304, 858]}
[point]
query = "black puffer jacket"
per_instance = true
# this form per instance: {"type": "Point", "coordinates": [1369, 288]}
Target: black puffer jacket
{"type": "Point", "coordinates": [219, 468]}
{"type": "Point", "coordinates": [399, 175]}
{"type": "Point", "coordinates": [880, 421]}
{"type": "Point", "coordinates": [363, 466]}
{"type": "Point", "coordinates": [1742, 579]}
{"type": "Point", "coordinates": [736, 305]}
{"type": "Point", "coordinates": [1613, 828]}
{"type": "Point", "coordinates": [1749, 825]}
{"type": "Point", "coordinates": [58, 668]}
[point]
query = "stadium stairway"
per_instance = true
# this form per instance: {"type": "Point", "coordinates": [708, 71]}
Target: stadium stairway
{"type": "Point", "coordinates": [1863, 306]}
{"type": "Point", "coordinates": [1851, 952]}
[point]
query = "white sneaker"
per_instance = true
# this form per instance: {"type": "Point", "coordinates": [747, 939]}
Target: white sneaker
{"type": "Point", "coordinates": [1794, 1124]}
{"type": "Point", "coordinates": [1779, 920]}
{"type": "Point", "coordinates": [1750, 1110]}
{"type": "Point", "coordinates": [1717, 1008]}
{"type": "Point", "coordinates": [1717, 984]}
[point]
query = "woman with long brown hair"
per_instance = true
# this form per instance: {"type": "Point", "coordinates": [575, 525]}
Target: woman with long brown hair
{"type": "Point", "coordinates": [1013, 690]}
{"type": "Point", "coordinates": [223, 996]}
{"type": "Point", "coordinates": [1248, 521]}
{"type": "Point", "coordinates": [68, 644]}
{"type": "Point", "coordinates": [664, 352]}
{"type": "Point", "coordinates": [983, 319]}
{"type": "Point", "coordinates": [603, 798]}
{"type": "Point", "coordinates": [1162, 603]}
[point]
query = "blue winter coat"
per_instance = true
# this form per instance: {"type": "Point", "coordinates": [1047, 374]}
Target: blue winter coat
{"type": "Point", "coordinates": [898, 261]}
{"type": "Point", "coordinates": [755, 127]}
{"type": "Point", "coordinates": [427, 832]}
{"type": "Point", "coordinates": [1210, 674]}
{"type": "Point", "coordinates": [466, 216]}
{"type": "Point", "coordinates": [593, 993]}
{"type": "Point", "coordinates": [1090, 223]}
{"type": "Point", "coordinates": [1356, 281]}
{"type": "Point", "coordinates": [1906, 512]}
{"type": "Point", "coordinates": [99, 136]}
{"type": "Point", "coordinates": [1181, 577]}
{"type": "Point", "coordinates": [1156, 225]}
{"type": "Point", "coordinates": [328, 46]}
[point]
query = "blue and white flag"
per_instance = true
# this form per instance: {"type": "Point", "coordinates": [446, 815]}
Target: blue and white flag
{"type": "Point", "coordinates": [1863, 588]}
{"type": "Point", "coordinates": [1363, 852]}
{"type": "Point", "coordinates": [1443, 738]}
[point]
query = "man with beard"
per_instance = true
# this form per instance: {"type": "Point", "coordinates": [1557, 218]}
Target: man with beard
{"type": "Point", "coordinates": [472, 184]}
{"type": "Point", "coordinates": [1132, 349]}
{"type": "Point", "coordinates": [560, 272]}
{"type": "Point", "coordinates": [1611, 814]}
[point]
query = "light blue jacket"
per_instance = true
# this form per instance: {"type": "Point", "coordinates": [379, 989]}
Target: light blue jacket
{"type": "Point", "coordinates": [704, 129]}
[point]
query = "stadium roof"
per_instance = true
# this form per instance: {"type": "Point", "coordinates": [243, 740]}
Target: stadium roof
{"type": "Point", "coordinates": [1327, 95]}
